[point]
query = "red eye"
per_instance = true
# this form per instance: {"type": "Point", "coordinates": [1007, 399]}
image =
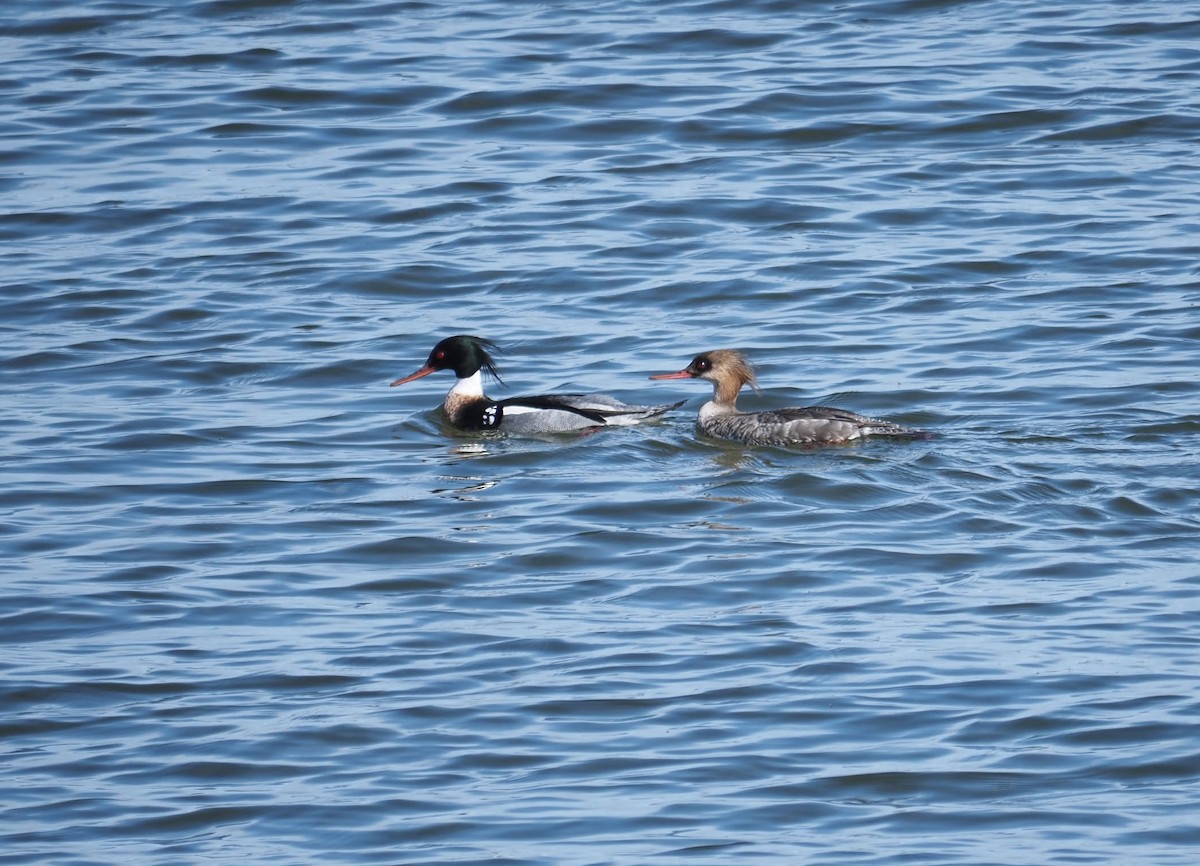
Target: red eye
{"type": "Point", "coordinates": [439, 355]}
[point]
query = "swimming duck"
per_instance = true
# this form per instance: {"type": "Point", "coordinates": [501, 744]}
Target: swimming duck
{"type": "Point", "coordinates": [469, 408]}
{"type": "Point", "coordinates": [729, 370]}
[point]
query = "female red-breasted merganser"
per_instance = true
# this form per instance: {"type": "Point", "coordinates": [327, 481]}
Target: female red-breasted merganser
{"type": "Point", "coordinates": [468, 408]}
{"type": "Point", "coordinates": [729, 370]}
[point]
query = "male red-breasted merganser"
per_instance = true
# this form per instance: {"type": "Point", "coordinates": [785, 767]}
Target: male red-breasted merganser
{"type": "Point", "coordinates": [468, 408]}
{"type": "Point", "coordinates": [729, 370]}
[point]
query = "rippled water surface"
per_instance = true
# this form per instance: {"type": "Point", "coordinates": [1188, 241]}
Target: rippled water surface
{"type": "Point", "coordinates": [259, 608]}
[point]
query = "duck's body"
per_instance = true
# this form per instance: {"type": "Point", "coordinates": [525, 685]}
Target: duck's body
{"type": "Point", "coordinates": [802, 426]}
{"type": "Point", "coordinates": [467, 407]}
{"type": "Point", "coordinates": [798, 425]}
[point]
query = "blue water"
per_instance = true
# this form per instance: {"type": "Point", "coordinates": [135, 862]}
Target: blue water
{"type": "Point", "coordinates": [257, 607]}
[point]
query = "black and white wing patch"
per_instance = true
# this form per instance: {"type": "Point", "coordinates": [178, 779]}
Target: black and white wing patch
{"type": "Point", "coordinates": [479, 415]}
{"type": "Point", "coordinates": [491, 416]}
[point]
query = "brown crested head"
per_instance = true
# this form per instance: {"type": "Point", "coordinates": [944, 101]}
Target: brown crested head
{"type": "Point", "coordinates": [727, 369]}
{"type": "Point", "coordinates": [727, 366]}
{"type": "Point", "coordinates": [723, 364]}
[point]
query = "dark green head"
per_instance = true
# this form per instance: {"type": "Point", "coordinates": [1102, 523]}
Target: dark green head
{"type": "Point", "coordinates": [464, 354]}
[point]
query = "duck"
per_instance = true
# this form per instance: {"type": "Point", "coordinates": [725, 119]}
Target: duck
{"type": "Point", "coordinates": [467, 407]}
{"type": "Point", "coordinates": [802, 426]}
